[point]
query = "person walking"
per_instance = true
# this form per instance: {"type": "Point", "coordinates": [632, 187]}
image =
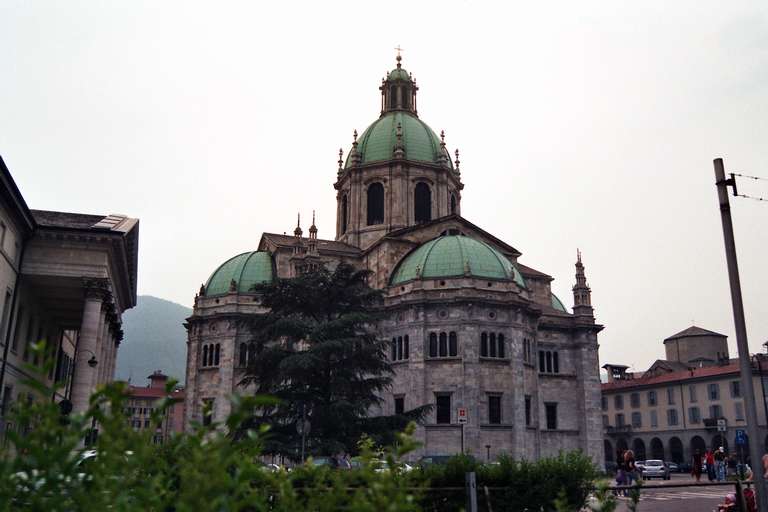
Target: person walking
{"type": "Point", "coordinates": [631, 469]}
{"type": "Point", "coordinates": [696, 469]}
{"type": "Point", "coordinates": [710, 460]}
{"type": "Point", "coordinates": [720, 464]}
{"type": "Point", "coordinates": [621, 475]}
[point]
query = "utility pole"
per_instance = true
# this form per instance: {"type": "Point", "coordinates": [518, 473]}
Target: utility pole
{"type": "Point", "coordinates": [745, 362]}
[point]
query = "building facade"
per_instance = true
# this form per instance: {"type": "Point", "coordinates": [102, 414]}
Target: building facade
{"type": "Point", "coordinates": [471, 327]}
{"type": "Point", "coordinates": [65, 280]}
{"type": "Point", "coordinates": [691, 400]}
{"type": "Point", "coordinates": [143, 401]}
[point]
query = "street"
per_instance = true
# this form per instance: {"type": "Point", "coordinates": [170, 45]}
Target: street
{"type": "Point", "coordinates": [680, 499]}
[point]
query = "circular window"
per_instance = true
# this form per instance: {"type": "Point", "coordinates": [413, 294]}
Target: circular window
{"type": "Point", "coordinates": [492, 315]}
{"type": "Point", "coordinates": [213, 327]}
{"type": "Point", "coordinates": [442, 283]}
{"type": "Point", "coordinates": [402, 288]}
{"type": "Point", "coordinates": [490, 284]}
{"type": "Point", "coordinates": [443, 314]}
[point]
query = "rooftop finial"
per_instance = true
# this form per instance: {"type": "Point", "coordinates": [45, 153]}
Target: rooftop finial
{"type": "Point", "coordinates": [457, 160]}
{"type": "Point", "coordinates": [578, 255]}
{"type": "Point", "coordinates": [442, 138]}
{"type": "Point", "coordinates": [297, 232]}
{"type": "Point", "coordinates": [399, 57]}
{"type": "Point", "coordinates": [354, 137]}
{"type": "Point", "coordinates": [341, 162]}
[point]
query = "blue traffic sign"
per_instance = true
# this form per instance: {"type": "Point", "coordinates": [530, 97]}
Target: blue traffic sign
{"type": "Point", "coordinates": [741, 437]}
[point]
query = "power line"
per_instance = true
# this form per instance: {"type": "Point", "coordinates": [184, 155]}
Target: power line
{"type": "Point", "coordinates": [750, 177]}
{"type": "Point", "coordinates": [752, 197]}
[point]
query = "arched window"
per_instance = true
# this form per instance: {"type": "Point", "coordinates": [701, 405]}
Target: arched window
{"type": "Point", "coordinates": [422, 203]}
{"type": "Point", "coordinates": [394, 349]}
{"type": "Point", "coordinates": [344, 213]}
{"type": "Point", "coordinates": [375, 204]}
{"type": "Point", "coordinates": [453, 344]}
{"type": "Point", "coordinates": [243, 360]}
{"type": "Point", "coordinates": [501, 346]}
{"type": "Point", "coordinates": [453, 203]}
{"type": "Point", "coordinates": [432, 344]}
{"type": "Point", "coordinates": [443, 345]}
{"type": "Point", "coordinates": [492, 345]}
{"type": "Point", "coordinates": [405, 347]}
{"type": "Point", "coordinates": [484, 345]}
{"type": "Point", "coordinates": [251, 353]}
{"type": "Point", "coordinates": [216, 354]}
{"type": "Point", "coordinates": [399, 347]}
{"type": "Point", "coordinates": [205, 355]}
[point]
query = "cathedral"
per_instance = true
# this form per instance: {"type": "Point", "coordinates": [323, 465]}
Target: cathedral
{"type": "Point", "coordinates": [471, 329]}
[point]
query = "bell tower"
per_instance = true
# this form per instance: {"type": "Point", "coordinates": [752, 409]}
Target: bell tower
{"type": "Point", "coordinates": [398, 172]}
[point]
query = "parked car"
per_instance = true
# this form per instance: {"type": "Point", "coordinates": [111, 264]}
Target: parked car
{"type": "Point", "coordinates": [655, 469]}
{"type": "Point", "coordinates": [640, 465]}
{"type": "Point", "coordinates": [673, 467]}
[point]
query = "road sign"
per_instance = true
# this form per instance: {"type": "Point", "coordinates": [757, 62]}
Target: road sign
{"type": "Point", "coordinates": [741, 437]}
{"type": "Point", "coordinates": [462, 415]}
{"type": "Point", "coordinates": [722, 425]}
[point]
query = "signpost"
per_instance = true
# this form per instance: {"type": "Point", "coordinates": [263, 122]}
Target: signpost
{"type": "Point", "coordinates": [722, 426]}
{"type": "Point", "coordinates": [461, 414]}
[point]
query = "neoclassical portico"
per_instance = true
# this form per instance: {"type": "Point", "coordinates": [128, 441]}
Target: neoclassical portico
{"type": "Point", "coordinates": [69, 279]}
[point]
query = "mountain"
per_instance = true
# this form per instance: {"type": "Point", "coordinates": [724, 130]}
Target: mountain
{"type": "Point", "coordinates": [155, 339]}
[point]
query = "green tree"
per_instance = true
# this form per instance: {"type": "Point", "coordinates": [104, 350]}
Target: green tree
{"type": "Point", "coordinates": [319, 353]}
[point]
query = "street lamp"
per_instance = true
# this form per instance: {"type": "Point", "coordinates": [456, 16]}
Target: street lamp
{"type": "Point", "coordinates": [92, 362]}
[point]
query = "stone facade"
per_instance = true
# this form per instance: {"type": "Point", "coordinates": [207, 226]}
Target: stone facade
{"type": "Point", "coordinates": [534, 393]}
{"type": "Point", "coordinates": [673, 408]}
{"type": "Point", "coordinates": [65, 280]}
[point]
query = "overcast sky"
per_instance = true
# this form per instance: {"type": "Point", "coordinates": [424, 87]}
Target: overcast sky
{"type": "Point", "coordinates": [580, 124]}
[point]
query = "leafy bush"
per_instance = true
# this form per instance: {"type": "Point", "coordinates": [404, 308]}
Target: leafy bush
{"type": "Point", "coordinates": [562, 481]}
{"type": "Point", "coordinates": [206, 469]}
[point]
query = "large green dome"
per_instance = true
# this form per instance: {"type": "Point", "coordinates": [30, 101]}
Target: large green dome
{"type": "Point", "coordinates": [420, 143]}
{"type": "Point", "coordinates": [455, 256]}
{"type": "Point", "coordinates": [246, 270]}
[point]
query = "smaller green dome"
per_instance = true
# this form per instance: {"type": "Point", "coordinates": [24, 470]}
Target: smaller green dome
{"type": "Point", "coordinates": [246, 270]}
{"type": "Point", "coordinates": [398, 74]}
{"type": "Point", "coordinates": [455, 256]}
{"type": "Point", "coordinates": [558, 304]}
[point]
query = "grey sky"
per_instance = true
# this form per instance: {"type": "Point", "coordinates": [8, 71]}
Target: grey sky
{"type": "Point", "coordinates": [580, 124]}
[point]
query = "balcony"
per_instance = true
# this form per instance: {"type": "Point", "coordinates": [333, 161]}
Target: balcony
{"type": "Point", "coordinates": [711, 423]}
{"type": "Point", "coordinates": [617, 431]}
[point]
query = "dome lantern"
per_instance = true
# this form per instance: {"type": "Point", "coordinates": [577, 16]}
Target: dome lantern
{"type": "Point", "coordinates": [398, 90]}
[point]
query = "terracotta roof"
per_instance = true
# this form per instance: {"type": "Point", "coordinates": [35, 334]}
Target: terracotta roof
{"type": "Point", "coordinates": [147, 392]}
{"type": "Point", "coordinates": [502, 245]}
{"type": "Point", "coordinates": [327, 245]}
{"type": "Point", "coordinates": [528, 271]}
{"type": "Point", "coordinates": [695, 373]}
{"type": "Point", "coordinates": [694, 331]}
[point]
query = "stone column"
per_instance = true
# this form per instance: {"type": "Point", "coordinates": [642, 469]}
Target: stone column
{"type": "Point", "coordinates": [82, 386]}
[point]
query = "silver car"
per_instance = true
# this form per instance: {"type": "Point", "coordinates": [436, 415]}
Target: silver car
{"type": "Point", "coordinates": [655, 469]}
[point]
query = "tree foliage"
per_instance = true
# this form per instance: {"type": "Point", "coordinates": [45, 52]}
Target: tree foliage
{"type": "Point", "coordinates": [318, 351]}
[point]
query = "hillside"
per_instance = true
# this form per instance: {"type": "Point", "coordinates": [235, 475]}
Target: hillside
{"type": "Point", "coordinates": [155, 339]}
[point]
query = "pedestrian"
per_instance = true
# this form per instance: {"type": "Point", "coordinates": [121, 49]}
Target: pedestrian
{"type": "Point", "coordinates": [621, 475]}
{"type": "Point", "coordinates": [696, 469]}
{"type": "Point", "coordinates": [630, 468]}
{"type": "Point", "coordinates": [720, 464]}
{"type": "Point", "coordinates": [710, 460]}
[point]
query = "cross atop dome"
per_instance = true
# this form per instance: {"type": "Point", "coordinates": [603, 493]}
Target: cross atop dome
{"type": "Point", "coordinates": [398, 58]}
